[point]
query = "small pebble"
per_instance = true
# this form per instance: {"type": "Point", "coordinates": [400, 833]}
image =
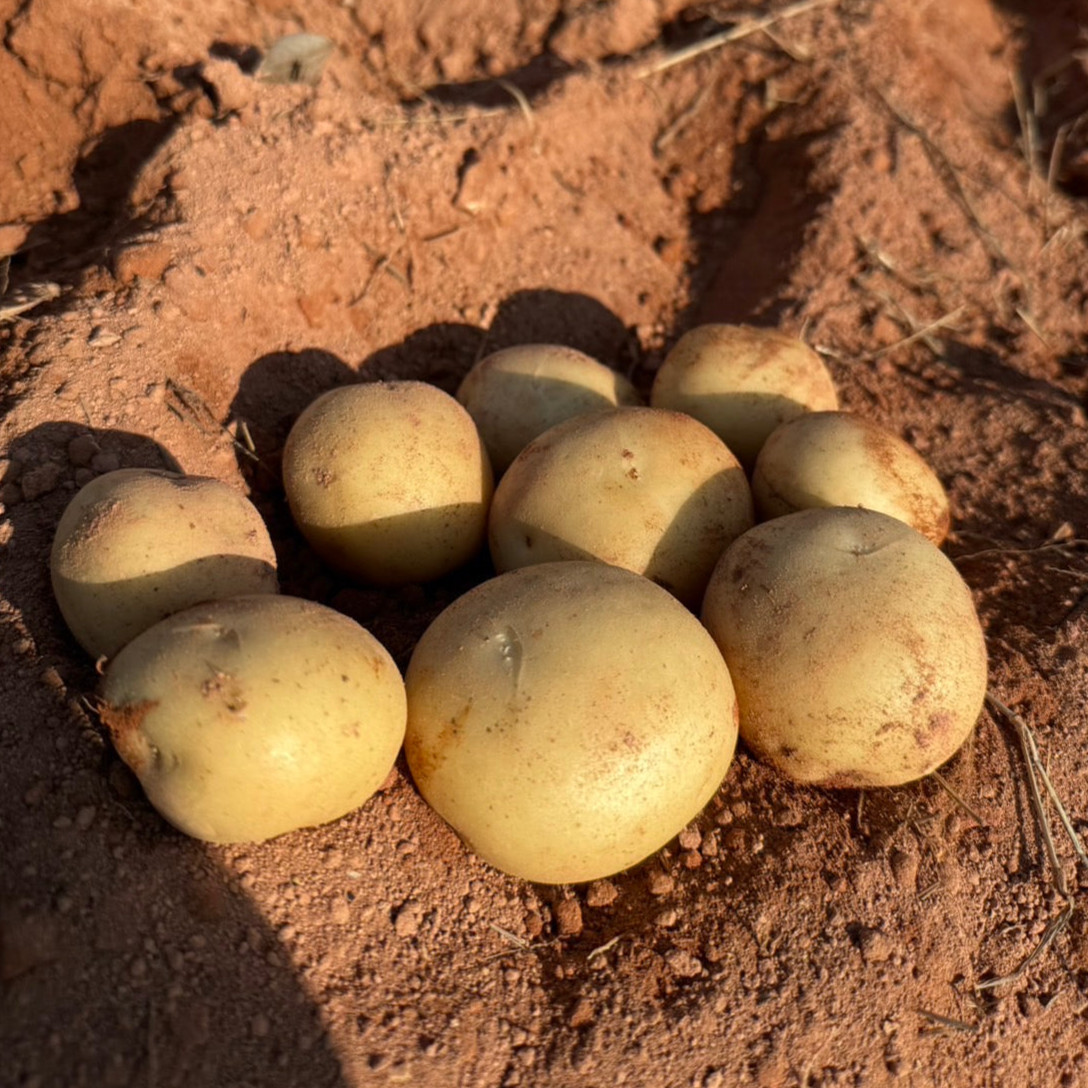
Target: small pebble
{"type": "Point", "coordinates": [40, 481]}
{"type": "Point", "coordinates": [102, 338]}
{"type": "Point", "coordinates": [683, 964]}
{"type": "Point", "coordinates": [660, 883]}
{"type": "Point", "coordinates": [568, 917]}
{"type": "Point", "coordinates": [583, 1013]}
{"type": "Point", "coordinates": [602, 893]}
{"type": "Point", "coordinates": [105, 462]}
{"type": "Point", "coordinates": [82, 449]}
{"type": "Point", "coordinates": [407, 919]}
{"type": "Point", "coordinates": [691, 838]}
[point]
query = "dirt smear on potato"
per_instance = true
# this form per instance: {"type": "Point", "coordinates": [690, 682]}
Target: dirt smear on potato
{"type": "Point", "coordinates": [125, 725]}
{"type": "Point", "coordinates": [900, 183]}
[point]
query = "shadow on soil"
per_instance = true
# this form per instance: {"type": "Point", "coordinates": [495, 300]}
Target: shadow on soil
{"type": "Point", "coordinates": [747, 249]}
{"type": "Point", "coordinates": [64, 246]}
{"type": "Point", "coordinates": [276, 388]}
{"type": "Point", "coordinates": [112, 923]}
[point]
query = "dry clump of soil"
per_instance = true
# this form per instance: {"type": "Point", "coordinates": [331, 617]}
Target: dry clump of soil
{"type": "Point", "coordinates": [901, 183]}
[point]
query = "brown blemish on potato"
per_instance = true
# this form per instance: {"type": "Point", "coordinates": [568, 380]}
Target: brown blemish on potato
{"type": "Point", "coordinates": [425, 756]}
{"type": "Point", "coordinates": [125, 725]}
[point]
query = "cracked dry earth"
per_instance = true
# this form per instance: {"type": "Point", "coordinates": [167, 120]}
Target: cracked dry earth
{"type": "Point", "coordinates": [902, 183]}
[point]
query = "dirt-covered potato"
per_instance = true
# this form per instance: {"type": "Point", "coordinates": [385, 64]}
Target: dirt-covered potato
{"type": "Point", "coordinates": [254, 716]}
{"type": "Point", "coordinates": [854, 647]}
{"type": "Point", "coordinates": [653, 491]}
{"type": "Point", "coordinates": [839, 459]}
{"type": "Point", "coordinates": [389, 481]}
{"type": "Point", "coordinates": [568, 719]}
{"type": "Point", "coordinates": [135, 545]}
{"type": "Point", "coordinates": [517, 393]}
{"type": "Point", "coordinates": [742, 382]}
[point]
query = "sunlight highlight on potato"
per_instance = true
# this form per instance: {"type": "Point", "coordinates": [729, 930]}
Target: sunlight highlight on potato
{"type": "Point", "coordinates": [854, 646]}
{"type": "Point", "coordinates": [568, 719]}
{"type": "Point", "coordinates": [136, 545]}
{"type": "Point", "coordinates": [742, 382]}
{"type": "Point", "coordinates": [389, 481]}
{"type": "Point", "coordinates": [247, 718]}
{"type": "Point", "coordinates": [518, 393]}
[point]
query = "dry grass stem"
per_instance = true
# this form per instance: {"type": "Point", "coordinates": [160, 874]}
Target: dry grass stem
{"type": "Point", "coordinates": [601, 949]}
{"type": "Point", "coordinates": [952, 792]}
{"type": "Point", "coordinates": [26, 298]}
{"type": "Point", "coordinates": [519, 97]}
{"type": "Point", "coordinates": [741, 30]}
{"type": "Point", "coordinates": [950, 178]}
{"type": "Point", "coordinates": [1066, 548]}
{"type": "Point", "coordinates": [1033, 326]}
{"type": "Point", "coordinates": [947, 1022]}
{"type": "Point", "coordinates": [676, 125]}
{"type": "Point", "coordinates": [1036, 771]}
{"type": "Point", "coordinates": [924, 333]}
{"type": "Point", "coordinates": [1028, 128]}
{"type": "Point", "coordinates": [195, 412]}
{"type": "Point", "coordinates": [520, 943]}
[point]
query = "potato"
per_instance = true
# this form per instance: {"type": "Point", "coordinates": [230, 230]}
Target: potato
{"type": "Point", "coordinates": [388, 481]}
{"type": "Point", "coordinates": [516, 394]}
{"type": "Point", "coordinates": [854, 646]}
{"type": "Point", "coordinates": [839, 459]}
{"type": "Point", "coordinates": [254, 716]}
{"type": "Point", "coordinates": [653, 491]}
{"type": "Point", "coordinates": [137, 544]}
{"type": "Point", "coordinates": [568, 719]}
{"type": "Point", "coordinates": [742, 382]}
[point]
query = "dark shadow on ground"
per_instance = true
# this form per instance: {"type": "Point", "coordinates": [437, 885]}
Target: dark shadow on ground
{"type": "Point", "coordinates": [745, 250]}
{"type": "Point", "coordinates": [64, 246]}
{"type": "Point", "coordinates": [129, 954]}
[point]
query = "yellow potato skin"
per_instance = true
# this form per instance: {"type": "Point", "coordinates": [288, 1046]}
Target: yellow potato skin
{"type": "Point", "coordinates": [653, 491]}
{"type": "Point", "coordinates": [518, 393]}
{"type": "Point", "coordinates": [742, 382]}
{"type": "Point", "coordinates": [568, 719]}
{"type": "Point", "coordinates": [248, 718]}
{"type": "Point", "coordinates": [389, 481]}
{"type": "Point", "coordinates": [854, 646]}
{"type": "Point", "coordinates": [840, 459]}
{"type": "Point", "coordinates": [135, 545]}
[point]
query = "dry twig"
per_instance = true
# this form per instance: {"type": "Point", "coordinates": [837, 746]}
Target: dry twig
{"type": "Point", "coordinates": [1036, 772]}
{"type": "Point", "coordinates": [734, 33]}
{"type": "Point", "coordinates": [951, 791]}
{"type": "Point", "coordinates": [923, 333]}
{"type": "Point", "coordinates": [947, 1022]}
{"type": "Point", "coordinates": [194, 411]}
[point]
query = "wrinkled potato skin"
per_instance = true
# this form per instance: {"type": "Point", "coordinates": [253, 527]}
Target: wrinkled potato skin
{"type": "Point", "coordinates": [247, 718]}
{"type": "Point", "coordinates": [568, 720]}
{"type": "Point", "coordinates": [742, 382]}
{"type": "Point", "coordinates": [839, 459]}
{"type": "Point", "coordinates": [389, 481]}
{"type": "Point", "coordinates": [135, 545]}
{"type": "Point", "coordinates": [518, 393]}
{"type": "Point", "coordinates": [854, 647]}
{"type": "Point", "coordinates": [652, 491]}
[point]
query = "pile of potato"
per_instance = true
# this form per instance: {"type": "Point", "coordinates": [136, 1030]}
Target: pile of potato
{"type": "Point", "coordinates": [569, 716]}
